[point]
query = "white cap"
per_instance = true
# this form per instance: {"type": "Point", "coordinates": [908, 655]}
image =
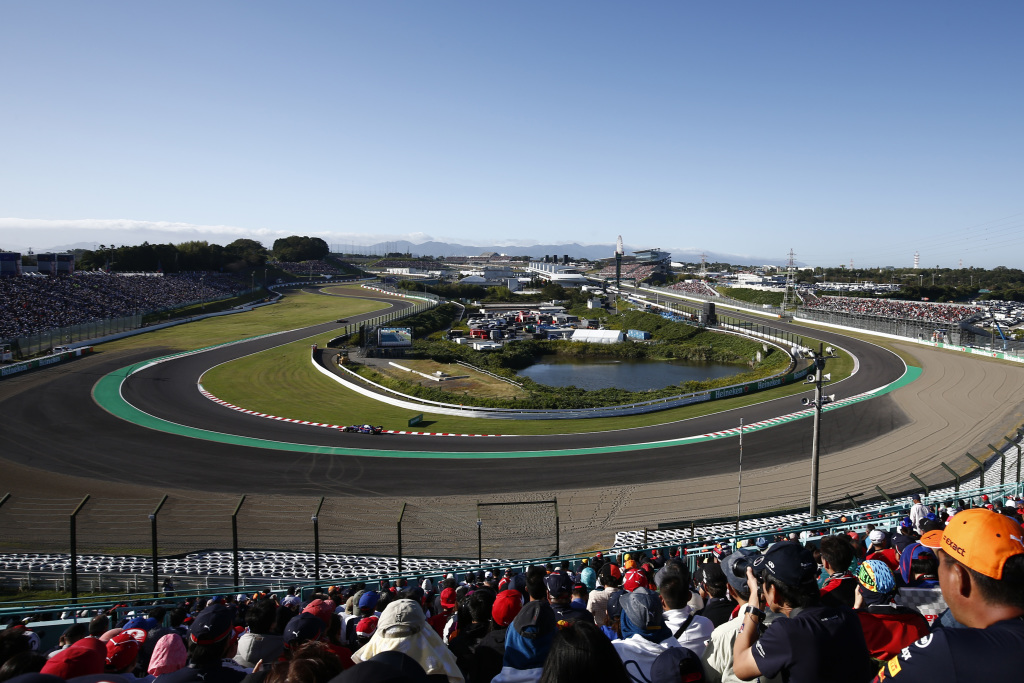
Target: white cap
{"type": "Point", "coordinates": [876, 536]}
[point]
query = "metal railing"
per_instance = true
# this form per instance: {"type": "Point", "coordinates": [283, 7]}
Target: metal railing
{"type": "Point", "coordinates": [721, 300]}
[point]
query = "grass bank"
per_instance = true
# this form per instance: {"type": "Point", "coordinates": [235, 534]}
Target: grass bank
{"type": "Point", "coordinates": [283, 382]}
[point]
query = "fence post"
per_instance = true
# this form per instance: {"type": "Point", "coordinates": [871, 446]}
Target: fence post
{"type": "Point", "coordinates": [479, 535]}
{"type": "Point", "coordinates": [399, 525]}
{"type": "Point", "coordinates": [558, 544]}
{"type": "Point", "coordinates": [156, 559]}
{"type": "Point", "coordinates": [981, 468]}
{"type": "Point", "coordinates": [1002, 464]}
{"type": "Point", "coordinates": [921, 483]}
{"type": "Point", "coordinates": [1011, 442]}
{"type": "Point", "coordinates": [956, 477]}
{"type": "Point", "coordinates": [316, 542]}
{"type": "Point", "coordinates": [234, 540]}
{"type": "Point", "coordinates": [74, 549]}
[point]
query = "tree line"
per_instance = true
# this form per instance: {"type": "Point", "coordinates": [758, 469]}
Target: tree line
{"type": "Point", "coordinates": [240, 255]}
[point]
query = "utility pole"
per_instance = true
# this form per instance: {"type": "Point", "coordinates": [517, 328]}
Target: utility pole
{"type": "Point", "coordinates": [739, 487]}
{"type": "Point", "coordinates": [817, 377]}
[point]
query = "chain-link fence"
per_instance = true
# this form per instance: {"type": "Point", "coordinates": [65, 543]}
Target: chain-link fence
{"type": "Point", "coordinates": [40, 342]}
{"type": "Point", "coordinates": [981, 338]}
{"type": "Point", "coordinates": [29, 345]}
{"type": "Point", "coordinates": [902, 327]}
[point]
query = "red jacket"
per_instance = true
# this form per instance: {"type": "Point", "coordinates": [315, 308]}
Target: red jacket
{"type": "Point", "coordinates": [888, 630]}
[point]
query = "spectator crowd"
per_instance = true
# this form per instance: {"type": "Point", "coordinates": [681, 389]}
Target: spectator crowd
{"type": "Point", "coordinates": [939, 597]}
{"type": "Point", "coordinates": [894, 308]}
{"type": "Point", "coordinates": [31, 304]}
{"type": "Point", "coordinates": [317, 267]}
{"type": "Point", "coordinates": [630, 271]}
{"type": "Point", "coordinates": [695, 287]}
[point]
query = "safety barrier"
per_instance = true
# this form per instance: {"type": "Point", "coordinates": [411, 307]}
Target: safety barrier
{"type": "Point", "coordinates": [35, 364]}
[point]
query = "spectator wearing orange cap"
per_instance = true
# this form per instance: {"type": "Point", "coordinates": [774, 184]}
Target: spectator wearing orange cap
{"type": "Point", "coordinates": [981, 574]}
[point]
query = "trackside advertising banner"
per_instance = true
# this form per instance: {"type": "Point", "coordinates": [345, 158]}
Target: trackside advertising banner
{"type": "Point", "coordinates": [760, 385]}
{"type": "Point", "coordinates": [17, 368]}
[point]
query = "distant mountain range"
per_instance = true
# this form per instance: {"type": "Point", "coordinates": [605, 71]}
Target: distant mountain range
{"type": "Point", "coordinates": [591, 252]}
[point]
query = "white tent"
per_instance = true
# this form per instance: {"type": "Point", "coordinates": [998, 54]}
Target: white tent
{"type": "Point", "coordinates": [598, 336]}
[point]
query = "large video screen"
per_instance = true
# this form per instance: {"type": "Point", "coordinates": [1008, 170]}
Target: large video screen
{"type": "Point", "coordinates": [394, 336]}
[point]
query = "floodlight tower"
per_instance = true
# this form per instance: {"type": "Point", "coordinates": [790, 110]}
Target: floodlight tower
{"type": "Point", "coordinates": [619, 251]}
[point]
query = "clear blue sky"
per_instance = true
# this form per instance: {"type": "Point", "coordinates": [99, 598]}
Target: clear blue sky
{"type": "Point", "coordinates": [862, 131]}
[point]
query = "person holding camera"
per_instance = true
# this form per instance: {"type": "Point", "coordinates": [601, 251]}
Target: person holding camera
{"type": "Point", "coordinates": [816, 643]}
{"type": "Point", "coordinates": [716, 659]}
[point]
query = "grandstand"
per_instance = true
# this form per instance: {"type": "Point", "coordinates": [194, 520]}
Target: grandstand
{"type": "Point", "coordinates": [308, 268]}
{"type": "Point", "coordinates": [29, 305]}
{"type": "Point", "coordinates": [697, 287]}
{"type": "Point", "coordinates": [895, 309]}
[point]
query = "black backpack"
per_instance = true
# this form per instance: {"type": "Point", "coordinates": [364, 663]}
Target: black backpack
{"type": "Point", "coordinates": [677, 665]}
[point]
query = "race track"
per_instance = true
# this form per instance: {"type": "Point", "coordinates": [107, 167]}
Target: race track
{"type": "Point", "coordinates": [57, 441]}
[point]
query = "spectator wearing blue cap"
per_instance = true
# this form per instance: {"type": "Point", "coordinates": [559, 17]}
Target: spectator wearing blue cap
{"type": "Point", "coordinates": [366, 606]}
{"type": "Point", "coordinates": [588, 577]}
{"type": "Point", "coordinates": [919, 567]}
{"type": "Point", "coordinates": [644, 634]}
{"type": "Point", "coordinates": [559, 589]}
{"type": "Point", "coordinates": [816, 642]}
{"type": "Point", "coordinates": [211, 639]}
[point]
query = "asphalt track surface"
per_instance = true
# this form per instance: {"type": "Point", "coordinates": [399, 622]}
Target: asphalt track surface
{"type": "Point", "coordinates": [168, 390]}
{"type": "Point", "coordinates": [57, 444]}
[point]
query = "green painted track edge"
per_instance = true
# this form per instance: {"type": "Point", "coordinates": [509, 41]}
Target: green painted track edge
{"type": "Point", "coordinates": [107, 394]}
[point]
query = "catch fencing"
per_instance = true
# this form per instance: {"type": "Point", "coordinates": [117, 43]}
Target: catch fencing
{"type": "Point", "coordinates": [901, 327]}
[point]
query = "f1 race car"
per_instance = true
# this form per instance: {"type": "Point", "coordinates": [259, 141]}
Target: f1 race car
{"type": "Point", "coordinates": [364, 429]}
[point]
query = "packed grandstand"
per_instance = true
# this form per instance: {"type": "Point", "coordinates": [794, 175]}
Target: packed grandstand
{"type": "Point", "coordinates": [695, 287]}
{"type": "Point", "coordinates": [894, 308]}
{"type": "Point", "coordinates": [31, 304]}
